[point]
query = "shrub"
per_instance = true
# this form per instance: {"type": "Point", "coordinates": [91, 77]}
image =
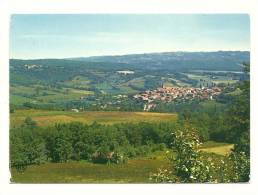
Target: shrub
{"type": "Point", "coordinates": [191, 166]}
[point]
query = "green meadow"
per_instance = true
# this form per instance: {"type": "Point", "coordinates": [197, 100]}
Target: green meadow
{"type": "Point", "coordinates": [136, 170]}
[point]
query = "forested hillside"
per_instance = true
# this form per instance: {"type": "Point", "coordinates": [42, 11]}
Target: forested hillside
{"type": "Point", "coordinates": [179, 61]}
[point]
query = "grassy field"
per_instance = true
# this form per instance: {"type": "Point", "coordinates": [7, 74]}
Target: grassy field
{"type": "Point", "coordinates": [136, 170]}
{"type": "Point", "coordinates": [217, 148]}
{"type": "Point", "coordinates": [168, 84]}
{"type": "Point", "coordinates": [17, 99]}
{"type": "Point", "coordinates": [45, 118]}
{"type": "Point", "coordinates": [22, 94]}
{"type": "Point", "coordinates": [209, 79]}
{"type": "Point", "coordinates": [225, 81]}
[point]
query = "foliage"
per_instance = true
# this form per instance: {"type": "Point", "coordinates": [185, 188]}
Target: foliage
{"type": "Point", "coordinates": [192, 166]}
{"type": "Point", "coordinates": [239, 123]}
{"type": "Point", "coordinates": [29, 122]}
{"type": "Point", "coordinates": [188, 165]}
{"type": "Point", "coordinates": [97, 143]}
{"type": "Point", "coordinates": [241, 166]}
{"type": "Point", "coordinates": [136, 170]}
{"type": "Point", "coordinates": [26, 146]}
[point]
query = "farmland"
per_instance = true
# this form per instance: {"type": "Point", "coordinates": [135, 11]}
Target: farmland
{"type": "Point", "coordinates": [40, 94]}
{"type": "Point", "coordinates": [45, 118]}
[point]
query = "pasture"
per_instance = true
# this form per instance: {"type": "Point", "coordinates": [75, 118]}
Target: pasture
{"type": "Point", "coordinates": [217, 148]}
{"type": "Point", "coordinates": [46, 117]}
{"type": "Point", "coordinates": [136, 170]}
{"type": "Point", "coordinates": [207, 78]}
{"type": "Point", "coordinates": [40, 94]}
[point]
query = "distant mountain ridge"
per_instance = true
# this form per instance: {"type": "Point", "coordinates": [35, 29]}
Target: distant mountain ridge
{"type": "Point", "coordinates": [173, 61]}
{"type": "Point", "coordinates": [219, 60]}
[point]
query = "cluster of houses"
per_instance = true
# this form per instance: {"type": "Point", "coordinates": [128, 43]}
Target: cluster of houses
{"type": "Point", "coordinates": [168, 94]}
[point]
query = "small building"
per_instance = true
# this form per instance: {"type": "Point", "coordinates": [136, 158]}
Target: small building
{"type": "Point", "coordinates": [74, 110]}
{"type": "Point", "coordinates": [125, 72]}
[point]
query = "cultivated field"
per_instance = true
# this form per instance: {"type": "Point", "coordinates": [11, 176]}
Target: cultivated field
{"type": "Point", "coordinates": [45, 118]}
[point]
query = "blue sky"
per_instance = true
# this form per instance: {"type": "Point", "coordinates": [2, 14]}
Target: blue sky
{"type": "Point", "coordinates": [62, 36]}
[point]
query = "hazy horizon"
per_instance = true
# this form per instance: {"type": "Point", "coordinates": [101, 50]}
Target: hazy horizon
{"type": "Point", "coordinates": [130, 54]}
{"type": "Point", "coordinates": [86, 35]}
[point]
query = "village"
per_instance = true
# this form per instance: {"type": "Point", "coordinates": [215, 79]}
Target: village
{"type": "Point", "coordinates": [169, 94]}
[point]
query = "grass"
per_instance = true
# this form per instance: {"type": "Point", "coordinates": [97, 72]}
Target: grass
{"type": "Point", "coordinates": [81, 92]}
{"type": "Point", "coordinates": [17, 99]}
{"type": "Point", "coordinates": [45, 118]}
{"type": "Point", "coordinates": [224, 81]}
{"type": "Point", "coordinates": [137, 82]}
{"type": "Point", "coordinates": [168, 84]}
{"type": "Point", "coordinates": [17, 94]}
{"type": "Point", "coordinates": [221, 150]}
{"type": "Point", "coordinates": [22, 90]}
{"type": "Point", "coordinates": [196, 76]}
{"type": "Point", "coordinates": [124, 89]}
{"type": "Point", "coordinates": [236, 92]}
{"type": "Point", "coordinates": [104, 86]}
{"type": "Point", "coordinates": [134, 171]}
{"type": "Point", "coordinates": [217, 80]}
{"type": "Point", "coordinates": [60, 97]}
{"type": "Point", "coordinates": [217, 148]}
{"type": "Point", "coordinates": [180, 83]}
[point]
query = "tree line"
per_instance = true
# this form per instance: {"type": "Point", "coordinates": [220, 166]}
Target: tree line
{"type": "Point", "coordinates": [31, 144]}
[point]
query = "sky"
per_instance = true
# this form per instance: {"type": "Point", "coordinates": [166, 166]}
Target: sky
{"type": "Point", "coordinates": [64, 36]}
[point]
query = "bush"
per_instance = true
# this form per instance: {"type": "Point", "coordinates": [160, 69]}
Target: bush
{"type": "Point", "coordinates": [191, 166]}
